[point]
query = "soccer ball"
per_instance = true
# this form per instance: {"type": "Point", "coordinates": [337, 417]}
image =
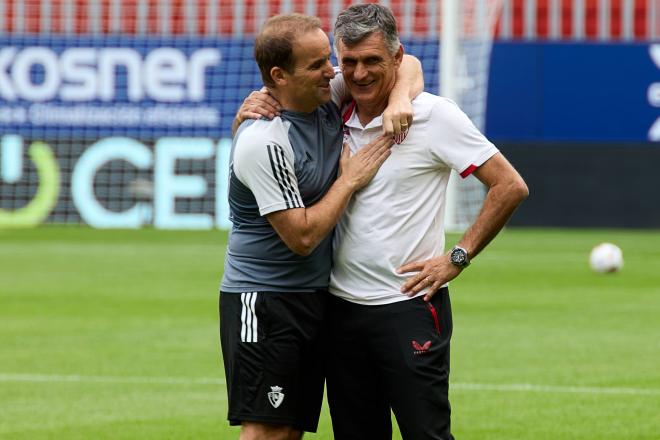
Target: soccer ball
{"type": "Point", "coordinates": [606, 258]}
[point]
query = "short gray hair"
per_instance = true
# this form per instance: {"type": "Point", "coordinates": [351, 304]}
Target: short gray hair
{"type": "Point", "coordinates": [357, 22]}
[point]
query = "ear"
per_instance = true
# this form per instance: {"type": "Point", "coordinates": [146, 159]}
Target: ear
{"type": "Point", "coordinates": [278, 75]}
{"type": "Point", "coordinates": [398, 56]}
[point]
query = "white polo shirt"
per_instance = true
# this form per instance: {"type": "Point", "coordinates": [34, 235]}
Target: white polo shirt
{"type": "Point", "coordinates": [399, 217]}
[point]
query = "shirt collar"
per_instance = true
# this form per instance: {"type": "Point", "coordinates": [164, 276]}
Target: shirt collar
{"type": "Point", "coordinates": [354, 121]}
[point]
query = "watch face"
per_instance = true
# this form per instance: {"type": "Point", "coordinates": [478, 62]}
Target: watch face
{"type": "Point", "coordinates": [458, 257]}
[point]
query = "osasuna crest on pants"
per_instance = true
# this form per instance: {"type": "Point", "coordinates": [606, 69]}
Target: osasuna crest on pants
{"type": "Point", "coordinates": [275, 396]}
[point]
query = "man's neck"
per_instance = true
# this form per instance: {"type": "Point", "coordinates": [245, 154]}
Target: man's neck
{"type": "Point", "coordinates": [367, 111]}
{"type": "Point", "coordinates": [289, 104]}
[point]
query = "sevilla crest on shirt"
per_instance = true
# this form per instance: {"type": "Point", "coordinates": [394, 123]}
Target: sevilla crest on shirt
{"type": "Point", "coordinates": [399, 138]}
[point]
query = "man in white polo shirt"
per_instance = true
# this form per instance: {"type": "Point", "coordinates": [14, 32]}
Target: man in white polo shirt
{"type": "Point", "coordinates": [390, 321]}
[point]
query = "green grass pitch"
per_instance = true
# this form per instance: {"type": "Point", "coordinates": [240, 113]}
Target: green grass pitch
{"type": "Point", "coordinates": [113, 335]}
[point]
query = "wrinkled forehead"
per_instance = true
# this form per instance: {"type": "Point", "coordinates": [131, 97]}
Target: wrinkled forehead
{"type": "Point", "coordinates": [372, 45]}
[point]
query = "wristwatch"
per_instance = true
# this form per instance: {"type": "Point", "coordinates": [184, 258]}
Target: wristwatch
{"type": "Point", "coordinates": [459, 257]}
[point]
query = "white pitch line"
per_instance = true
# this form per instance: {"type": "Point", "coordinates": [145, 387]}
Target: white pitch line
{"type": "Point", "coordinates": [459, 386]}
{"type": "Point", "coordinates": [524, 387]}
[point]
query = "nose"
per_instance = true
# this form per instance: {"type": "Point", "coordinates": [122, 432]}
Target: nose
{"type": "Point", "coordinates": [329, 70]}
{"type": "Point", "coordinates": [360, 72]}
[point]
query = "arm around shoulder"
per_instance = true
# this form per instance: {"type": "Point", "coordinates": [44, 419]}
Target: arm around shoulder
{"type": "Point", "coordinates": [398, 115]}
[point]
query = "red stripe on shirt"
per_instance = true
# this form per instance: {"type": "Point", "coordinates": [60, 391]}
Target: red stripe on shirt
{"type": "Point", "coordinates": [348, 112]}
{"type": "Point", "coordinates": [469, 170]}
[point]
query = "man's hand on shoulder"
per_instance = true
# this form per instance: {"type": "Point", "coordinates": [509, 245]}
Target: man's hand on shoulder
{"type": "Point", "coordinates": [431, 274]}
{"type": "Point", "coordinates": [258, 104]}
{"type": "Point", "coordinates": [397, 117]}
{"type": "Point", "coordinates": [302, 229]}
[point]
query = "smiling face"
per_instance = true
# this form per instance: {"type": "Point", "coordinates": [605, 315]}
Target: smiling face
{"type": "Point", "coordinates": [369, 70]}
{"type": "Point", "coordinates": [307, 85]}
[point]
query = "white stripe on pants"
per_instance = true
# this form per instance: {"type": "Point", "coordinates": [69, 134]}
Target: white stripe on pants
{"type": "Point", "coordinates": [248, 317]}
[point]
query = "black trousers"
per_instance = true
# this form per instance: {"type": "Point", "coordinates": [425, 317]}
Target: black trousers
{"type": "Point", "coordinates": [390, 356]}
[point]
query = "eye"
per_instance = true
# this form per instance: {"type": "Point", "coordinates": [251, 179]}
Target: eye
{"type": "Point", "coordinates": [320, 63]}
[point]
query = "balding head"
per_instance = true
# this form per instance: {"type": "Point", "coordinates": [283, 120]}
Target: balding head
{"type": "Point", "coordinates": [274, 44]}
